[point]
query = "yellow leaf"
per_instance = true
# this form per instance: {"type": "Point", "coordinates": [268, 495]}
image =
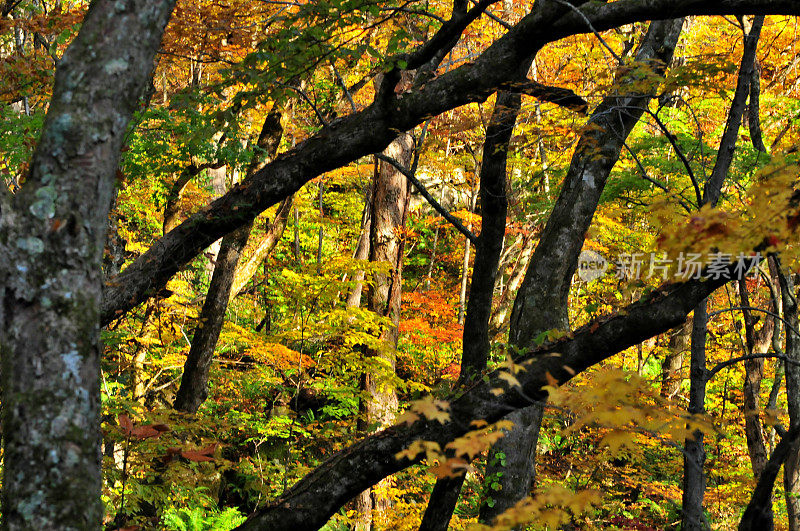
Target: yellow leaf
{"type": "Point", "coordinates": [510, 378]}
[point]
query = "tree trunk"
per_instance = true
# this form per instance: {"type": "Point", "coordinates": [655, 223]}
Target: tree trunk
{"type": "Point", "coordinates": [671, 378]}
{"type": "Point", "coordinates": [361, 253]}
{"type": "Point", "coordinates": [476, 341]}
{"type": "Point", "coordinates": [390, 197]}
{"type": "Point", "coordinates": [791, 468]}
{"type": "Point", "coordinates": [503, 310]}
{"type": "Point", "coordinates": [753, 109]}
{"type": "Point", "coordinates": [194, 381]}
{"type": "Point", "coordinates": [218, 187]}
{"type": "Point", "coordinates": [756, 342]}
{"type": "Point", "coordinates": [436, 232]}
{"type": "Point", "coordinates": [52, 234]}
{"type": "Point", "coordinates": [268, 242]}
{"type": "Point", "coordinates": [363, 502]}
{"type": "Point", "coordinates": [694, 482]}
{"type": "Point", "coordinates": [462, 294]}
{"type": "Point", "coordinates": [694, 456]}
{"type": "Point", "coordinates": [541, 303]}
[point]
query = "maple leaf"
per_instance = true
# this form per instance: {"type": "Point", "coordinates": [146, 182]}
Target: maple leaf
{"type": "Point", "coordinates": [432, 409]}
{"type": "Point", "coordinates": [450, 468]}
{"type": "Point", "coordinates": [145, 432]}
{"type": "Point", "coordinates": [431, 449]}
{"type": "Point", "coordinates": [408, 418]}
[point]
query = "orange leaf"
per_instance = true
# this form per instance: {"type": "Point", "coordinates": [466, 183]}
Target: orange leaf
{"type": "Point", "coordinates": [200, 455]}
{"type": "Point", "coordinates": [125, 424]}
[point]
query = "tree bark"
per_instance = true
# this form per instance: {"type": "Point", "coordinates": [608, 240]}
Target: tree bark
{"type": "Point", "coordinates": [671, 379]}
{"type": "Point", "coordinates": [476, 341]}
{"type": "Point", "coordinates": [541, 303]}
{"type": "Point", "coordinates": [52, 234]}
{"type": "Point", "coordinates": [791, 468]}
{"type": "Point", "coordinates": [390, 195]}
{"type": "Point", "coordinates": [194, 382]}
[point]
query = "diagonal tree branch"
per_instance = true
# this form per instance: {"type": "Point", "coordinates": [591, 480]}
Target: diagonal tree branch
{"type": "Point", "coordinates": [429, 198]}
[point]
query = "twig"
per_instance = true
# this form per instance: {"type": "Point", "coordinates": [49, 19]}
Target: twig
{"type": "Point", "coordinates": [753, 308]}
{"type": "Point", "coordinates": [674, 141]}
{"type": "Point", "coordinates": [429, 198]}
{"type": "Point", "coordinates": [648, 178]}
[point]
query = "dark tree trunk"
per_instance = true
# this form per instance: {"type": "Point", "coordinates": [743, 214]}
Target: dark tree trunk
{"type": "Point", "coordinates": [694, 453]}
{"type": "Point", "coordinates": [791, 470]}
{"type": "Point", "coordinates": [194, 383]}
{"type": "Point", "coordinates": [52, 234]}
{"type": "Point", "coordinates": [476, 345]}
{"type": "Point", "coordinates": [753, 109]}
{"type": "Point", "coordinates": [694, 456]}
{"type": "Point", "coordinates": [541, 303]}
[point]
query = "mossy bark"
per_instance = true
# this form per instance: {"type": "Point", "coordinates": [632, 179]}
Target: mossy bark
{"type": "Point", "coordinates": [52, 236]}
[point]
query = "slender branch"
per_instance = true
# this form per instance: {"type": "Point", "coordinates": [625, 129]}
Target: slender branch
{"type": "Point", "coordinates": [673, 140]}
{"type": "Point", "coordinates": [429, 198]}
{"type": "Point", "coordinates": [733, 361]}
{"type": "Point", "coordinates": [557, 95]}
{"type": "Point", "coordinates": [753, 308]}
{"type": "Point", "coordinates": [421, 12]}
{"type": "Point", "coordinates": [646, 177]}
{"type": "Point", "coordinates": [497, 19]}
{"type": "Point", "coordinates": [446, 37]}
{"type": "Point", "coordinates": [592, 28]}
{"type": "Point", "coordinates": [344, 87]}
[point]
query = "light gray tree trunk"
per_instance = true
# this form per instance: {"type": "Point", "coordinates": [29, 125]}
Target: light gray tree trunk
{"type": "Point", "coordinates": [52, 234]}
{"type": "Point", "coordinates": [671, 378]}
